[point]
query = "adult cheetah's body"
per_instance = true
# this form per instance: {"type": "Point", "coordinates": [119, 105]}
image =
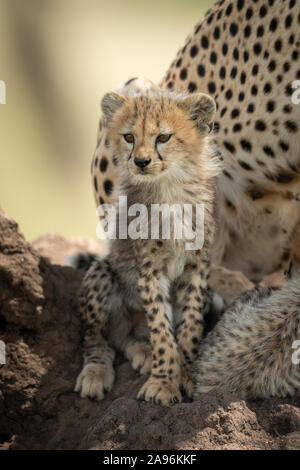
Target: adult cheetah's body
{"type": "Point", "coordinates": [246, 54]}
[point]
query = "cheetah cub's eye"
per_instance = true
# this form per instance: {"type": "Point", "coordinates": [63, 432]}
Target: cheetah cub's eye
{"type": "Point", "coordinates": [129, 138]}
{"type": "Point", "coordinates": [163, 138]}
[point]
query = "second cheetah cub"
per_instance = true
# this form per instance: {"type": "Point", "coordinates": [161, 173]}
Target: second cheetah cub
{"type": "Point", "coordinates": [146, 298]}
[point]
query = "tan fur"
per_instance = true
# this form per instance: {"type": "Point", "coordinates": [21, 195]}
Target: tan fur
{"type": "Point", "coordinates": [246, 55]}
{"type": "Point", "coordinates": [147, 296]}
{"type": "Point", "coordinates": [258, 202]}
{"type": "Point", "coordinates": [251, 349]}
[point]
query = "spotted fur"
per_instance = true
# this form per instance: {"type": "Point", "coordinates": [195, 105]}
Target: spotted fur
{"type": "Point", "coordinates": [245, 54]}
{"type": "Point", "coordinates": [147, 297]}
{"type": "Point", "coordinates": [253, 348]}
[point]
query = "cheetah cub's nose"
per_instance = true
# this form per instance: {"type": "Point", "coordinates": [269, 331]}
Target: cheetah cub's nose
{"type": "Point", "coordinates": [142, 162]}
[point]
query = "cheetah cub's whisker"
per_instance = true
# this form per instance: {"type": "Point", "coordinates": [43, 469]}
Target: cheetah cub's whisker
{"type": "Point", "coordinates": [147, 297]}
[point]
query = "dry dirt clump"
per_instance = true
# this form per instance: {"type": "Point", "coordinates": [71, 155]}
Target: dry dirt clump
{"type": "Point", "coordinates": [40, 325]}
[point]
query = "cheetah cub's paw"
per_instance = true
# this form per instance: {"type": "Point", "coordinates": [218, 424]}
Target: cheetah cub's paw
{"type": "Point", "coordinates": [94, 380]}
{"type": "Point", "coordinates": [140, 355]}
{"type": "Point", "coordinates": [187, 382]}
{"type": "Point", "coordinates": [160, 391]}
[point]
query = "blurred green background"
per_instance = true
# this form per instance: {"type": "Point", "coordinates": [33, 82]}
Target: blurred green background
{"type": "Point", "coordinates": [58, 57]}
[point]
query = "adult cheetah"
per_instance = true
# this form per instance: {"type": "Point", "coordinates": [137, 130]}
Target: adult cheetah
{"type": "Point", "coordinates": [245, 54]}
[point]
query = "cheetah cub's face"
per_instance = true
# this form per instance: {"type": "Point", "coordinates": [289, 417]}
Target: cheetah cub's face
{"type": "Point", "coordinates": [158, 133]}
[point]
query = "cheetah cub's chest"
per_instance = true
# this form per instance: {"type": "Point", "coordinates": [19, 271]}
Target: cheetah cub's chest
{"type": "Point", "coordinates": [175, 265]}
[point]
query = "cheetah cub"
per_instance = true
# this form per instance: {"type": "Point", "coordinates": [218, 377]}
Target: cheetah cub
{"type": "Point", "coordinates": [254, 349]}
{"type": "Point", "coordinates": [146, 298]}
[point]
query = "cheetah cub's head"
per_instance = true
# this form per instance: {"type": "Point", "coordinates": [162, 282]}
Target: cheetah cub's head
{"type": "Point", "coordinates": [159, 133]}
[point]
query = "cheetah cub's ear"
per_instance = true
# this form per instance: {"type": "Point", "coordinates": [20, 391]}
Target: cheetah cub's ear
{"type": "Point", "coordinates": [202, 110]}
{"type": "Point", "coordinates": [110, 103]}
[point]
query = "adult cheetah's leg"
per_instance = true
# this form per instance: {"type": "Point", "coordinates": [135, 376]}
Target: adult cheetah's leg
{"type": "Point", "coordinates": [162, 387]}
{"type": "Point", "coordinates": [97, 375]}
{"type": "Point", "coordinates": [191, 298]}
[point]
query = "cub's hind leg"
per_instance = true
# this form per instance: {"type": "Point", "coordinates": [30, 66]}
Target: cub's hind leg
{"type": "Point", "coordinates": [131, 334]}
{"type": "Point", "coordinates": [137, 347]}
{"type": "Point", "coordinates": [139, 353]}
{"type": "Point", "coordinates": [97, 375]}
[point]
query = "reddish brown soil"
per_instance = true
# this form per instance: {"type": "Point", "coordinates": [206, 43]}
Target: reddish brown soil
{"type": "Point", "coordinates": [40, 325]}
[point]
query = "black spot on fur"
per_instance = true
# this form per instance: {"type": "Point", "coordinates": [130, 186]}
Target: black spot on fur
{"type": "Point", "coordinates": [246, 145]}
{"type": "Point", "coordinates": [229, 147]}
{"type": "Point", "coordinates": [278, 45]}
{"type": "Point", "coordinates": [268, 151]}
{"type": "Point", "coordinates": [213, 58]}
{"type": "Point", "coordinates": [260, 125]}
{"type": "Point", "coordinates": [228, 94]}
{"type": "Point", "coordinates": [194, 51]}
{"type": "Point", "coordinates": [233, 29]}
{"type": "Point", "coordinates": [263, 11]}
{"type": "Point", "coordinates": [249, 13]}
{"type": "Point", "coordinates": [273, 25]}
{"type": "Point", "coordinates": [257, 48]}
{"type": "Point", "coordinates": [192, 87]}
{"type": "Point", "coordinates": [211, 87]}
{"type": "Point", "coordinates": [284, 146]}
{"type": "Point", "coordinates": [201, 70]}
{"type": "Point", "coordinates": [272, 66]}
{"type": "Point", "coordinates": [245, 165]}
{"type": "Point", "coordinates": [254, 90]}
{"type": "Point", "coordinates": [216, 33]}
{"type": "Point", "coordinates": [247, 31]}
{"type": "Point", "coordinates": [204, 42]}
{"type": "Point", "coordinates": [183, 74]}
{"type": "Point", "coordinates": [291, 126]}
{"type": "Point", "coordinates": [103, 164]}
{"type": "Point", "coordinates": [108, 187]}
{"type": "Point", "coordinates": [225, 49]}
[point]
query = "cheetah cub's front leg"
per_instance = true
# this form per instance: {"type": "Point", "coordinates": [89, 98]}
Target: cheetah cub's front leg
{"type": "Point", "coordinates": [107, 326]}
{"type": "Point", "coordinates": [162, 387]}
{"type": "Point", "coordinates": [190, 303]}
